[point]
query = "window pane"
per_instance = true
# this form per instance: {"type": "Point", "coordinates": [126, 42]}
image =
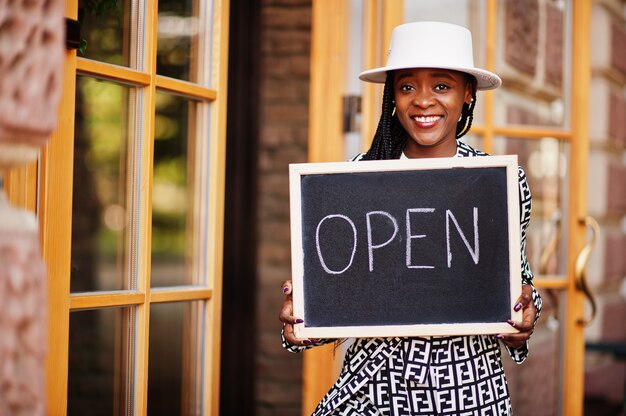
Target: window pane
{"type": "Point", "coordinates": [107, 30]}
{"type": "Point", "coordinates": [532, 61]}
{"type": "Point", "coordinates": [101, 216]}
{"type": "Point", "coordinates": [179, 39]}
{"type": "Point", "coordinates": [546, 164]}
{"type": "Point", "coordinates": [175, 360]}
{"type": "Point", "coordinates": [100, 362]}
{"type": "Point", "coordinates": [175, 228]}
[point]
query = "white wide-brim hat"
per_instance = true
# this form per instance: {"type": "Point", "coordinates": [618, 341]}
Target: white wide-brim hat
{"type": "Point", "coordinates": [432, 45]}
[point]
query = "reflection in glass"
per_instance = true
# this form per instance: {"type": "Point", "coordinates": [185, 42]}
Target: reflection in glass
{"type": "Point", "coordinates": [174, 363]}
{"type": "Point", "coordinates": [531, 59]}
{"type": "Point", "coordinates": [521, 109]}
{"type": "Point", "coordinates": [178, 39]}
{"type": "Point", "coordinates": [175, 229]}
{"type": "Point", "coordinates": [100, 363]}
{"type": "Point", "coordinates": [546, 164]}
{"type": "Point", "coordinates": [100, 211]}
{"type": "Point", "coordinates": [106, 27]}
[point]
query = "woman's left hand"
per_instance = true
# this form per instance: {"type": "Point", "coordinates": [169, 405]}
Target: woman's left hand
{"type": "Point", "coordinates": [526, 325]}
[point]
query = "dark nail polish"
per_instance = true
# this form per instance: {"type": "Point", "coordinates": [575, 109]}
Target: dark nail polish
{"type": "Point", "coordinates": [307, 342]}
{"type": "Point", "coordinates": [499, 337]}
{"type": "Point", "coordinates": [285, 289]}
{"type": "Point", "coordinates": [510, 322]}
{"type": "Point", "coordinates": [299, 321]}
{"type": "Point", "coordinates": [518, 307]}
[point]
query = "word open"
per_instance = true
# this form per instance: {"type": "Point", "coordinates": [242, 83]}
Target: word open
{"type": "Point", "coordinates": [383, 219]}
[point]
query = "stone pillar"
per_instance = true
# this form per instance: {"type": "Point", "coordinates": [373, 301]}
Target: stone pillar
{"type": "Point", "coordinates": [23, 312]}
{"type": "Point", "coordinates": [31, 73]}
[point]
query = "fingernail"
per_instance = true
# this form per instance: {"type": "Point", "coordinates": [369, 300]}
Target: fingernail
{"type": "Point", "coordinates": [307, 342]}
{"type": "Point", "coordinates": [285, 289]}
{"type": "Point", "coordinates": [499, 337]}
{"type": "Point", "coordinates": [299, 321]}
{"type": "Point", "coordinates": [510, 322]}
{"type": "Point", "coordinates": [517, 307]}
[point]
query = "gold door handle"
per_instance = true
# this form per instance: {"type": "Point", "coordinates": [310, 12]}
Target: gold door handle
{"type": "Point", "coordinates": [580, 266]}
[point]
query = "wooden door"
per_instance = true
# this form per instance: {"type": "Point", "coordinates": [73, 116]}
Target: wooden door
{"type": "Point", "coordinates": [539, 113]}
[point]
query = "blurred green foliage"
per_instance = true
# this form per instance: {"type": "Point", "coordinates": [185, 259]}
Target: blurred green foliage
{"type": "Point", "coordinates": [103, 111]}
{"type": "Point", "coordinates": [108, 14]}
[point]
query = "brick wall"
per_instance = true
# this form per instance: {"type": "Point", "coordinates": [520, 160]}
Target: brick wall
{"type": "Point", "coordinates": [285, 51]}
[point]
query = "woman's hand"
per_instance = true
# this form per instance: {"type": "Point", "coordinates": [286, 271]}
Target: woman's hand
{"type": "Point", "coordinates": [288, 320]}
{"type": "Point", "coordinates": [527, 325]}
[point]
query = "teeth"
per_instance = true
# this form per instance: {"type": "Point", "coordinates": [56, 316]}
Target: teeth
{"type": "Point", "coordinates": [426, 119]}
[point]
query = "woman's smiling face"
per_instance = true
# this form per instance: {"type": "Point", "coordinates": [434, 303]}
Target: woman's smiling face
{"type": "Point", "coordinates": [428, 105]}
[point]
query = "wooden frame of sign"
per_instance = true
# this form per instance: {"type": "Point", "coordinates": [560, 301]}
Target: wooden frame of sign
{"type": "Point", "coordinates": [413, 247]}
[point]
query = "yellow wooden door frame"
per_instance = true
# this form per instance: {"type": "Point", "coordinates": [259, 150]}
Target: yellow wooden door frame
{"type": "Point", "coordinates": [327, 69]}
{"type": "Point", "coordinates": [574, 340]}
{"type": "Point", "coordinates": [55, 219]}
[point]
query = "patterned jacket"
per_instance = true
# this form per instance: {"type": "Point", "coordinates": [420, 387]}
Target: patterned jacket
{"type": "Point", "coordinates": [428, 375]}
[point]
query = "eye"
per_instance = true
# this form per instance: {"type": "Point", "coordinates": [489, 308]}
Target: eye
{"type": "Point", "coordinates": [441, 87]}
{"type": "Point", "coordinates": [405, 87]}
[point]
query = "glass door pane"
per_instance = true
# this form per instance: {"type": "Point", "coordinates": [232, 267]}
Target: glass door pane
{"type": "Point", "coordinates": [101, 362]}
{"type": "Point", "coordinates": [532, 55]}
{"type": "Point", "coordinates": [101, 211]}
{"type": "Point", "coordinates": [108, 30]}
{"type": "Point", "coordinates": [180, 38]}
{"type": "Point", "coordinates": [174, 369]}
{"type": "Point", "coordinates": [546, 163]}
{"type": "Point", "coordinates": [175, 226]}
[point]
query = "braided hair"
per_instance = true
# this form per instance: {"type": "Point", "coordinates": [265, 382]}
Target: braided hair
{"type": "Point", "coordinates": [390, 137]}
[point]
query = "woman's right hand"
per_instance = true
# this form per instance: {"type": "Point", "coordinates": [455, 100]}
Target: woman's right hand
{"type": "Point", "coordinates": [288, 320]}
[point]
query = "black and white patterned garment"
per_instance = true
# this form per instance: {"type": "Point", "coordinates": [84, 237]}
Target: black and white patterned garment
{"type": "Point", "coordinates": [457, 375]}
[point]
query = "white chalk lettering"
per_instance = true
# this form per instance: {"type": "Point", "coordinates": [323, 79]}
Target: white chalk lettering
{"type": "Point", "coordinates": [370, 246]}
{"type": "Point", "coordinates": [410, 237]}
{"type": "Point", "coordinates": [473, 252]}
{"type": "Point", "coordinates": [319, 250]}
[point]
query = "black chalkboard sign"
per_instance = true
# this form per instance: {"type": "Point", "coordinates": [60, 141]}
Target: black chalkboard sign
{"type": "Point", "coordinates": [405, 247]}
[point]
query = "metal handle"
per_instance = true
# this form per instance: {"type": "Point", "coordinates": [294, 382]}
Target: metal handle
{"type": "Point", "coordinates": [580, 266]}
